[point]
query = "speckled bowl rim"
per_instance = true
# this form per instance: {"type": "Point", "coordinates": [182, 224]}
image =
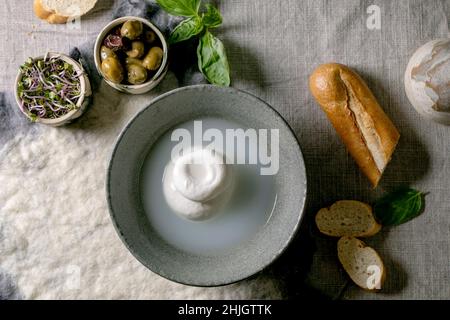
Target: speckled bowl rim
{"type": "Point", "coordinates": [276, 254]}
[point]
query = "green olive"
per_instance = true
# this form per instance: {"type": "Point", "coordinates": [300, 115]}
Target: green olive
{"type": "Point", "coordinates": [153, 59]}
{"type": "Point", "coordinates": [136, 74]}
{"type": "Point", "coordinates": [131, 29]}
{"type": "Point", "coordinates": [106, 52]}
{"type": "Point", "coordinates": [149, 36]}
{"type": "Point", "coordinates": [113, 70]}
{"type": "Point", "coordinates": [137, 49]}
{"type": "Point", "coordinates": [130, 60]}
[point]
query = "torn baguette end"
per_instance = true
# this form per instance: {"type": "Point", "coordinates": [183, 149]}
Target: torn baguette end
{"type": "Point", "coordinates": [365, 129]}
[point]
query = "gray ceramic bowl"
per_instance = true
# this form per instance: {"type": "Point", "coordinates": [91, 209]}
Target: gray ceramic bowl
{"type": "Point", "coordinates": [125, 206]}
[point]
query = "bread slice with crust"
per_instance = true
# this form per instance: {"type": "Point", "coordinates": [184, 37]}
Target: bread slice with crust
{"type": "Point", "coordinates": [362, 263]}
{"type": "Point", "coordinates": [60, 11]}
{"type": "Point", "coordinates": [347, 218]}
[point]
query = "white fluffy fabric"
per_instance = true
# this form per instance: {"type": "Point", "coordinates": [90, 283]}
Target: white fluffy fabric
{"type": "Point", "coordinates": [57, 240]}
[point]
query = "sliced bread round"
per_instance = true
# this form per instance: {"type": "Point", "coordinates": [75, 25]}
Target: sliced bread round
{"type": "Point", "coordinates": [347, 218]}
{"type": "Point", "coordinates": [362, 263]}
{"type": "Point", "coordinates": [60, 11]}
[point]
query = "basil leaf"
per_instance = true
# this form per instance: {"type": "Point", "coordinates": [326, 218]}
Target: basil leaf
{"type": "Point", "coordinates": [399, 206]}
{"type": "Point", "coordinates": [186, 30]}
{"type": "Point", "coordinates": [212, 17]}
{"type": "Point", "coordinates": [185, 8]}
{"type": "Point", "coordinates": [212, 60]}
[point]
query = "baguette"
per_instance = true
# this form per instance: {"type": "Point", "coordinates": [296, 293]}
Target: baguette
{"type": "Point", "coordinates": [60, 11]}
{"type": "Point", "coordinates": [362, 263]}
{"type": "Point", "coordinates": [363, 126]}
{"type": "Point", "coordinates": [347, 218]}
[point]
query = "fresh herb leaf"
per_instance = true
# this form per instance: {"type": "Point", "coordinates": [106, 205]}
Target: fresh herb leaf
{"type": "Point", "coordinates": [211, 18]}
{"type": "Point", "coordinates": [399, 206]}
{"type": "Point", "coordinates": [212, 60]}
{"type": "Point", "coordinates": [185, 8]}
{"type": "Point", "coordinates": [186, 30]}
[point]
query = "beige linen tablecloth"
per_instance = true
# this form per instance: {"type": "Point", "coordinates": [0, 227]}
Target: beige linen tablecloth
{"type": "Point", "coordinates": [56, 239]}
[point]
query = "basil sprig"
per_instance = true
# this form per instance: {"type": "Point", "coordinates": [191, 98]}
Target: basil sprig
{"type": "Point", "coordinates": [399, 206]}
{"type": "Point", "coordinates": [212, 58]}
{"type": "Point", "coordinates": [184, 8]}
{"type": "Point", "coordinates": [186, 30]}
{"type": "Point", "coordinates": [211, 18]}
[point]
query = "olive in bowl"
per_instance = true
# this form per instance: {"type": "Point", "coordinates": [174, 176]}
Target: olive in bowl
{"type": "Point", "coordinates": [131, 54]}
{"type": "Point", "coordinates": [112, 69]}
{"type": "Point", "coordinates": [136, 74]}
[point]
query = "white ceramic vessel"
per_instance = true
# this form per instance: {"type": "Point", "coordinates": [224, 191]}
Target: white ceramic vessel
{"type": "Point", "coordinates": [82, 102]}
{"type": "Point", "coordinates": [139, 88]}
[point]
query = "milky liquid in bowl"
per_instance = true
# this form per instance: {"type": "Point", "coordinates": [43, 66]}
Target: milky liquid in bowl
{"type": "Point", "coordinates": [251, 204]}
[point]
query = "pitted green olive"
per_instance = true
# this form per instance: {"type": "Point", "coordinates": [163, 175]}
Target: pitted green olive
{"type": "Point", "coordinates": [153, 59]}
{"type": "Point", "coordinates": [113, 70]}
{"type": "Point", "coordinates": [130, 60]}
{"type": "Point", "coordinates": [106, 52]}
{"type": "Point", "coordinates": [137, 49]}
{"type": "Point", "coordinates": [131, 29]}
{"type": "Point", "coordinates": [136, 74]}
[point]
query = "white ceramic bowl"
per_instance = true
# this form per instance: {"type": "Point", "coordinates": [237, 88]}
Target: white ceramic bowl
{"type": "Point", "coordinates": [139, 88]}
{"type": "Point", "coordinates": [82, 102]}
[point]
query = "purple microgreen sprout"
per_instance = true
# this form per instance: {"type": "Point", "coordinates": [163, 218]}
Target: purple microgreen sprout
{"type": "Point", "coordinates": [49, 88]}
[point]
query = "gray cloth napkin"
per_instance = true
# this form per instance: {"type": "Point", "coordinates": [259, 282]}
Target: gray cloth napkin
{"type": "Point", "coordinates": [8, 290]}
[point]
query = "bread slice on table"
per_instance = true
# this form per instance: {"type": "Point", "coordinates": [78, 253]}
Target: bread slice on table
{"type": "Point", "coordinates": [362, 263]}
{"type": "Point", "coordinates": [365, 129]}
{"type": "Point", "coordinates": [347, 218]}
{"type": "Point", "coordinates": [60, 11]}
